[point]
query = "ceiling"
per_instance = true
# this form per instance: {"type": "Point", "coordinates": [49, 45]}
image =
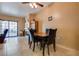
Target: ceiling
{"type": "Point", "coordinates": [18, 9]}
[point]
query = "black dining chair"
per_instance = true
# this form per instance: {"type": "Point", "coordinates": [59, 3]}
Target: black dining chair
{"type": "Point", "coordinates": [35, 39]}
{"type": "Point", "coordinates": [50, 39]}
{"type": "Point", "coordinates": [2, 37]}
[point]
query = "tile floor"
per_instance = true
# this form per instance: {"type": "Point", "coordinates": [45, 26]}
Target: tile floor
{"type": "Point", "coordinates": [18, 46]}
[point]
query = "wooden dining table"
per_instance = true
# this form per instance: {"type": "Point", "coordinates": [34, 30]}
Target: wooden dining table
{"type": "Point", "coordinates": [42, 34]}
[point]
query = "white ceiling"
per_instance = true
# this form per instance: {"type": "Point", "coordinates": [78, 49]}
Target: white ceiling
{"type": "Point", "coordinates": [18, 9]}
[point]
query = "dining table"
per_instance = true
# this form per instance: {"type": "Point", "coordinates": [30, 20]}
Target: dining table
{"type": "Point", "coordinates": [42, 34]}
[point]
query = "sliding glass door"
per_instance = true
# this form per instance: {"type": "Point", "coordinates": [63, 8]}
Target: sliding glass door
{"type": "Point", "coordinates": [11, 26]}
{"type": "Point", "coordinates": [4, 26]}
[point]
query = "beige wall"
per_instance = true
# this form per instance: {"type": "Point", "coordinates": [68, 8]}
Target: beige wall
{"type": "Point", "coordinates": [21, 25]}
{"type": "Point", "coordinates": [20, 20]}
{"type": "Point", "coordinates": [65, 19]}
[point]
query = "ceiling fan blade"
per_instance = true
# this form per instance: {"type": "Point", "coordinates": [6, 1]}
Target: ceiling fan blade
{"type": "Point", "coordinates": [37, 3]}
{"type": "Point", "coordinates": [40, 4]}
{"type": "Point", "coordinates": [25, 2]}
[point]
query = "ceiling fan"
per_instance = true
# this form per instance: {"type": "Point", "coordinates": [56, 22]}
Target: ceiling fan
{"type": "Point", "coordinates": [34, 4]}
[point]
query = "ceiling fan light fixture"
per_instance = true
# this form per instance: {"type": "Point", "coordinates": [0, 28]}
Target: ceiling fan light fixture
{"type": "Point", "coordinates": [35, 5]}
{"type": "Point", "coordinates": [31, 5]}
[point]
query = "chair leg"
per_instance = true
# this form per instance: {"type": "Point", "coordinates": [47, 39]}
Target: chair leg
{"type": "Point", "coordinates": [28, 38]}
{"type": "Point", "coordinates": [48, 49]}
{"type": "Point", "coordinates": [29, 42]}
{"type": "Point", "coordinates": [43, 49]}
{"type": "Point", "coordinates": [1, 41]}
{"type": "Point", "coordinates": [34, 47]}
{"type": "Point", "coordinates": [37, 43]}
{"type": "Point", "coordinates": [54, 46]}
{"type": "Point", "coordinates": [40, 45]}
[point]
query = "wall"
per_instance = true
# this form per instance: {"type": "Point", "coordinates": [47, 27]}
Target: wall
{"type": "Point", "coordinates": [65, 19]}
{"type": "Point", "coordinates": [21, 25]}
{"type": "Point", "coordinates": [20, 20]}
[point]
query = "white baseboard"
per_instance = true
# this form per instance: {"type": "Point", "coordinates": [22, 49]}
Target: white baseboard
{"type": "Point", "coordinates": [68, 50]}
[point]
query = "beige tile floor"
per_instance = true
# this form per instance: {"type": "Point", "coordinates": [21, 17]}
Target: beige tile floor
{"type": "Point", "coordinates": [18, 46]}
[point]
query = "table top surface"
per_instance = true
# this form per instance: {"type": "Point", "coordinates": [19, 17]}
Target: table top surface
{"type": "Point", "coordinates": [41, 34]}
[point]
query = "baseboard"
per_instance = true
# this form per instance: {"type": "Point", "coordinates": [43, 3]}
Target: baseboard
{"type": "Point", "coordinates": [68, 50]}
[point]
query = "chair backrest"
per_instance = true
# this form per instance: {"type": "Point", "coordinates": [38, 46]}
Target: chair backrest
{"type": "Point", "coordinates": [52, 35]}
{"type": "Point", "coordinates": [47, 31]}
{"type": "Point", "coordinates": [5, 33]}
{"type": "Point", "coordinates": [32, 33]}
